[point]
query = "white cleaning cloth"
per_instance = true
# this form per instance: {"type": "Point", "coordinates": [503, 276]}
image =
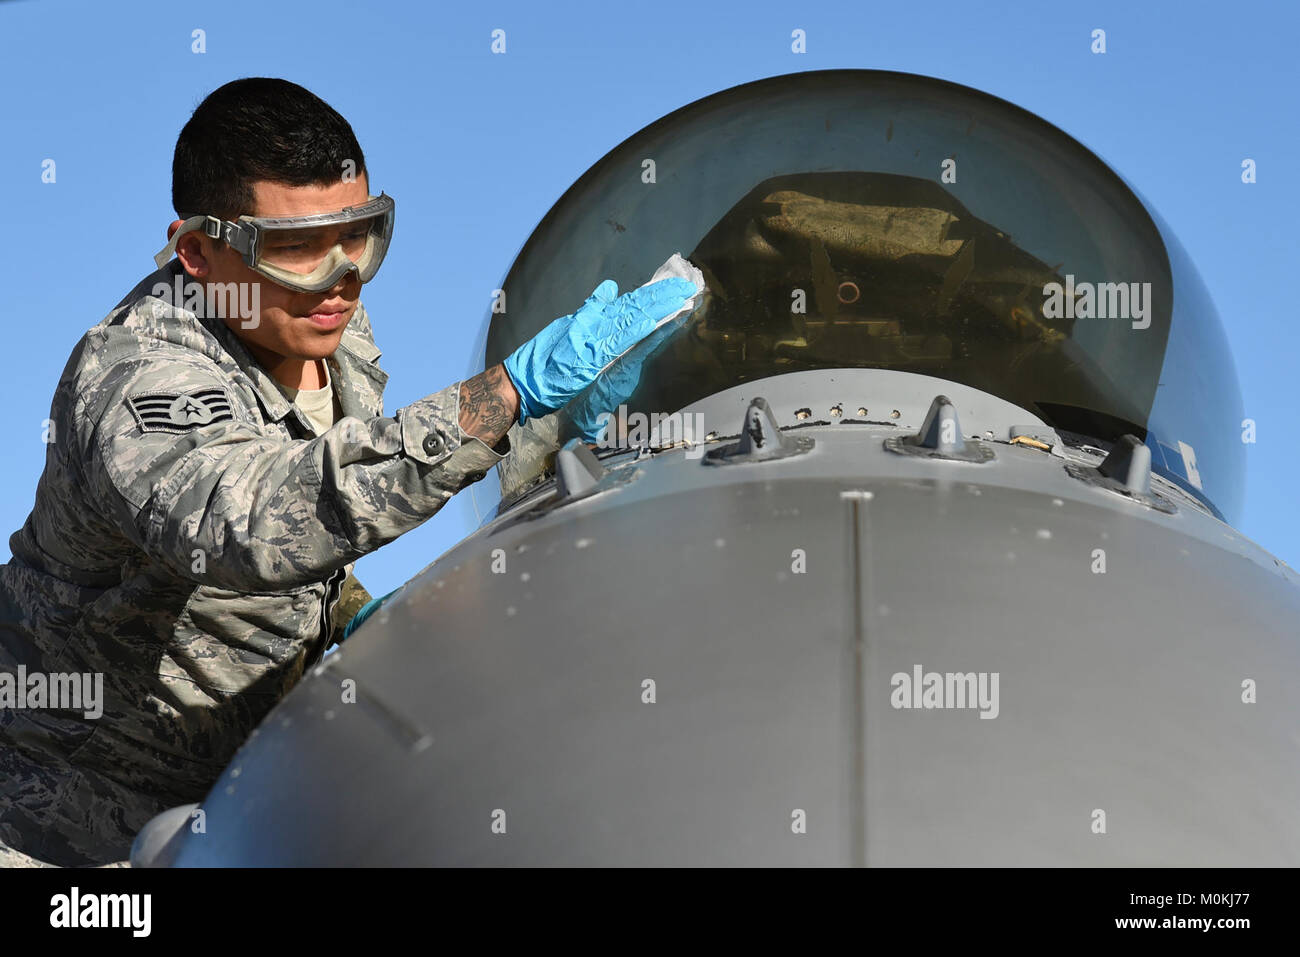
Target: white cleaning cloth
{"type": "Point", "coordinates": [682, 268]}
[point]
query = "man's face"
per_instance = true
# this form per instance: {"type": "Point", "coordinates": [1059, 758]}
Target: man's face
{"type": "Point", "coordinates": [292, 325]}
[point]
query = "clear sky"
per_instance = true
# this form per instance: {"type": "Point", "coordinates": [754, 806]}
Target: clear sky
{"type": "Point", "coordinates": [476, 147]}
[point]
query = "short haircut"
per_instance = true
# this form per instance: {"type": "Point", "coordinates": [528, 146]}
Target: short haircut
{"type": "Point", "coordinates": [258, 128]}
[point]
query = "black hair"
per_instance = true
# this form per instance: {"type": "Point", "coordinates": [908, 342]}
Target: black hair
{"type": "Point", "coordinates": [257, 128]}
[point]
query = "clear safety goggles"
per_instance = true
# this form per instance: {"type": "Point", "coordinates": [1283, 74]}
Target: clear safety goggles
{"type": "Point", "coordinates": [307, 253]}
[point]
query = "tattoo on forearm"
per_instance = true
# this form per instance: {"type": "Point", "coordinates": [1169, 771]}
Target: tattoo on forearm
{"type": "Point", "coordinates": [488, 405]}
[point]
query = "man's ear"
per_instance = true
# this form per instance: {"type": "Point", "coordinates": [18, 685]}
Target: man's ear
{"type": "Point", "coordinates": [190, 251]}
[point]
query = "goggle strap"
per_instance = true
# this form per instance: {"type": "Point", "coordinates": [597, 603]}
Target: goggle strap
{"type": "Point", "coordinates": [232, 234]}
{"type": "Point", "coordinates": [189, 226]}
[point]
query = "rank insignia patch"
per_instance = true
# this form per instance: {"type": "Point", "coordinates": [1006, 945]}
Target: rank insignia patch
{"type": "Point", "coordinates": [173, 412]}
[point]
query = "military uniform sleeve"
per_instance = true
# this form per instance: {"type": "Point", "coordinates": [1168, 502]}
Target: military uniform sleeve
{"type": "Point", "coordinates": [352, 596]}
{"type": "Point", "coordinates": [175, 454]}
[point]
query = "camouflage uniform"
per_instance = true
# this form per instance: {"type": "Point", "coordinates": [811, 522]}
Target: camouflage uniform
{"type": "Point", "coordinates": [192, 540]}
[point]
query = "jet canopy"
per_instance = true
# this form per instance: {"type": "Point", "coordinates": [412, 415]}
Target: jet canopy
{"type": "Point", "coordinates": [864, 219]}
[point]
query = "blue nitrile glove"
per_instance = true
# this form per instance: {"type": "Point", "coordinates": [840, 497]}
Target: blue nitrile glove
{"type": "Point", "coordinates": [365, 611]}
{"type": "Point", "coordinates": [616, 385]}
{"type": "Point", "coordinates": [564, 358]}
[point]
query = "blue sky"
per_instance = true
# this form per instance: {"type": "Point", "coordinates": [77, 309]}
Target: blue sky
{"type": "Point", "coordinates": [476, 147]}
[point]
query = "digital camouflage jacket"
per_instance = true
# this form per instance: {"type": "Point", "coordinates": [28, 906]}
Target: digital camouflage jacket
{"type": "Point", "coordinates": [192, 540]}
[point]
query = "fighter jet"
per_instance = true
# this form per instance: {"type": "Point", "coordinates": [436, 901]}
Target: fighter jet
{"type": "Point", "coordinates": [913, 544]}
